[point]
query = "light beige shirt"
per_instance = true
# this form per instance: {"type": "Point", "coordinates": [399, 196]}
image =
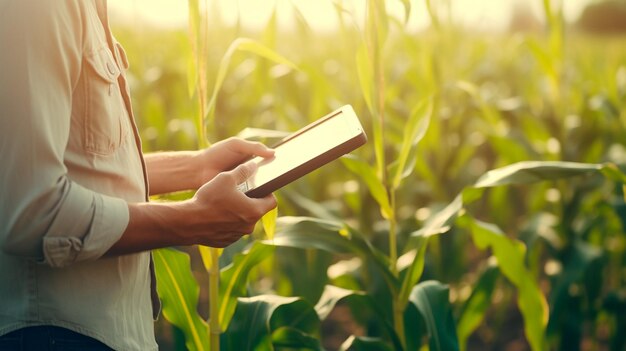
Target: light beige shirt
{"type": "Point", "coordinates": [70, 162]}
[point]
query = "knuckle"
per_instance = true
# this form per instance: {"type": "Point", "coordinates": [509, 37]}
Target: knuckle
{"type": "Point", "coordinates": [225, 177]}
{"type": "Point", "coordinates": [236, 142]}
{"type": "Point", "coordinates": [245, 171]}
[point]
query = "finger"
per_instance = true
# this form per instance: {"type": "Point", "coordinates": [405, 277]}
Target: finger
{"type": "Point", "coordinates": [252, 148]}
{"type": "Point", "coordinates": [244, 171]}
{"type": "Point", "coordinates": [266, 203]}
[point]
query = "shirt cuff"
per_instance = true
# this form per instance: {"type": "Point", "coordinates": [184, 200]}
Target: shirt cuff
{"type": "Point", "coordinates": [96, 221]}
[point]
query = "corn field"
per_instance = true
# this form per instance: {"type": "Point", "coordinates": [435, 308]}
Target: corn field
{"type": "Point", "coordinates": [486, 212]}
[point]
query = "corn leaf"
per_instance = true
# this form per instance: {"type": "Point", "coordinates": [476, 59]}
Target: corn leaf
{"type": "Point", "coordinates": [179, 292]}
{"type": "Point", "coordinates": [193, 55]}
{"type": "Point", "coordinates": [407, 10]}
{"type": "Point", "coordinates": [476, 306]}
{"type": "Point", "coordinates": [534, 171]}
{"type": "Point", "coordinates": [269, 223]}
{"type": "Point", "coordinates": [292, 338]}
{"type": "Point", "coordinates": [414, 271]}
{"type": "Point", "coordinates": [366, 76]}
{"type": "Point", "coordinates": [580, 261]}
{"type": "Point", "coordinates": [330, 236]}
{"type": "Point", "coordinates": [431, 298]}
{"type": "Point", "coordinates": [357, 301]}
{"type": "Point", "coordinates": [205, 254]}
{"type": "Point", "coordinates": [375, 186]}
{"type": "Point", "coordinates": [511, 255]}
{"type": "Point", "coordinates": [414, 131]}
{"type": "Point", "coordinates": [257, 318]}
{"type": "Point", "coordinates": [244, 45]}
{"type": "Point", "coordinates": [234, 279]}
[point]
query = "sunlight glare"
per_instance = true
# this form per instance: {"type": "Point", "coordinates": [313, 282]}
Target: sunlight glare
{"type": "Point", "coordinates": [321, 15]}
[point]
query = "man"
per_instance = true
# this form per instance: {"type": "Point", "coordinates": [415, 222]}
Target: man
{"type": "Point", "coordinates": [75, 224]}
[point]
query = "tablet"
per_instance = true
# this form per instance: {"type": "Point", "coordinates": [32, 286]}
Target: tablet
{"type": "Point", "coordinates": [309, 148]}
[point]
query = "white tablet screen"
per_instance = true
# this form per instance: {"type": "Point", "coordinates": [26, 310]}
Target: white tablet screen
{"type": "Point", "coordinates": [303, 148]}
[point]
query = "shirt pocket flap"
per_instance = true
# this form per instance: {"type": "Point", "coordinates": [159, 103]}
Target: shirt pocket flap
{"type": "Point", "coordinates": [104, 65]}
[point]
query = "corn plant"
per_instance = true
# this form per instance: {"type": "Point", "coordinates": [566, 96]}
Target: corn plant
{"type": "Point", "coordinates": [486, 202]}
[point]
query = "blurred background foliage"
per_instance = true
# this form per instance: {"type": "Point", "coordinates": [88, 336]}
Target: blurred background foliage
{"type": "Point", "coordinates": [541, 89]}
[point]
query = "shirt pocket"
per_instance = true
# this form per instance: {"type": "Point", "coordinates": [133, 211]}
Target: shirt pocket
{"type": "Point", "coordinates": [105, 127]}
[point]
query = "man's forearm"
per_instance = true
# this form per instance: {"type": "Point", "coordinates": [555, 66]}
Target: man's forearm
{"type": "Point", "coordinates": [217, 215]}
{"type": "Point", "coordinates": [171, 171]}
{"type": "Point", "coordinates": [151, 225]}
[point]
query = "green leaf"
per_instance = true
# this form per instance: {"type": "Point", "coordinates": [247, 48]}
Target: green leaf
{"type": "Point", "coordinates": [543, 58]}
{"type": "Point", "coordinates": [366, 76]}
{"type": "Point", "coordinates": [511, 255]}
{"type": "Point", "coordinates": [315, 208]}
{"type": "Point", "coordinates": [301, 19]}
{"type": "Point", "coordinates": [292, 338]}
{"type": "Point", "coordinates": [509, 148]}
{"type": "Point", "coordinates": [441, 221]}
{"type": "Point", "coordinates": [205, 254]}
{"type": "Point", "coordinates": [193, 55]}
{"type": "Point", "coordinates": [407, 10]}
{"type": "Point", "coordinates": [330, 236]}
{"type": "Point", "coordinates": [358, 301]}
{"type": "Point", "coordinates": [489, 113]}
{"type": "Point", "coordinates": [329, 299]}
{"type": "Point", "coordinates": [234, 279]}
{"type": "Point", "coordinates": [432, 301]}
{"type": "Point", "coordinates": [257, 318]}
{"type": "Point", "coordinates": [364, 343]}
{"type": "Point", "coordinates": [269, 223]}
{"type": "Point", "coordinates": [476, 306]}
{"type": "Point", "coordinates": [179, 291]}
{"type": "Point", "coordinates": [414, 131]}
{"type": "Point", "coordinates": [535, 171]}
{"type": "Point", "coordinates": [268, 37]}
{"type": "Point", "coordinates": [579, 259]}
{"type": "Point", "coordinates": [365, 71]}
{"type": "Point", "coordinates": [375, 186]}
{"type": "Point", "coordinates": [377, 25]}
{"type": "Point", "coordinates": [433, 15]}
{"type": "Point", "coordinates": [414, 271]}
{"type": "Point", "coordinates": [245, 45]}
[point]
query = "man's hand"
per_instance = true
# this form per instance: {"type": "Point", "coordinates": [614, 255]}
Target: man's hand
{"type": "Point", "coordinates": [226, 155]}
{"type": "Point", "coordinates": [225, 213]}
{"type": "Point", "coordinates": [189, 170]}
{"type": "Point", "coordinates": [218, 215]}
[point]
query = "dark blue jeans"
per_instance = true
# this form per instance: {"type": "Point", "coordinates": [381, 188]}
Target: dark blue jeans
{"type": "Point", "coordinates": [48, 338]}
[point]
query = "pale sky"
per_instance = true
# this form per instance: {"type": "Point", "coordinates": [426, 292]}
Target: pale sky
{"type": "Point", "coordinates": [320, 14]}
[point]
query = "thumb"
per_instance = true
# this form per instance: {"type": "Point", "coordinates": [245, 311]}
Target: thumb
{"type": "Point", "coordinates": [244, 171]}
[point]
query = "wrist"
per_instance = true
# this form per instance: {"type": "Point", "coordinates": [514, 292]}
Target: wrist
{"type": "Point", "coordinates": [196, 171]}
{"type": "Point", "coordinates": [173, 171]}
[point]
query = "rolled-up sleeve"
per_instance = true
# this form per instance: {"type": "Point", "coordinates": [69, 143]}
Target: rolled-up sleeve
{"type": "Point", "coordinates": [44, 215]}
{"type": "Point", "coordinates": [95, 220]}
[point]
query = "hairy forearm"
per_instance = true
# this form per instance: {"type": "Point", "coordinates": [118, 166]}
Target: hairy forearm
{"type": "Point", "coordinates": [217, 215]}
{"type": "Point", "coordinates": [151, 225]}
{"type": "Point", "coordinates": [157, 225]}
{"type": "Point", "coordinates": [171, 171]}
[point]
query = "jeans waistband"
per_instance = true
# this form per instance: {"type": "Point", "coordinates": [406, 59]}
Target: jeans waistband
{"type": "Point", "coordinates": [49, 338]}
